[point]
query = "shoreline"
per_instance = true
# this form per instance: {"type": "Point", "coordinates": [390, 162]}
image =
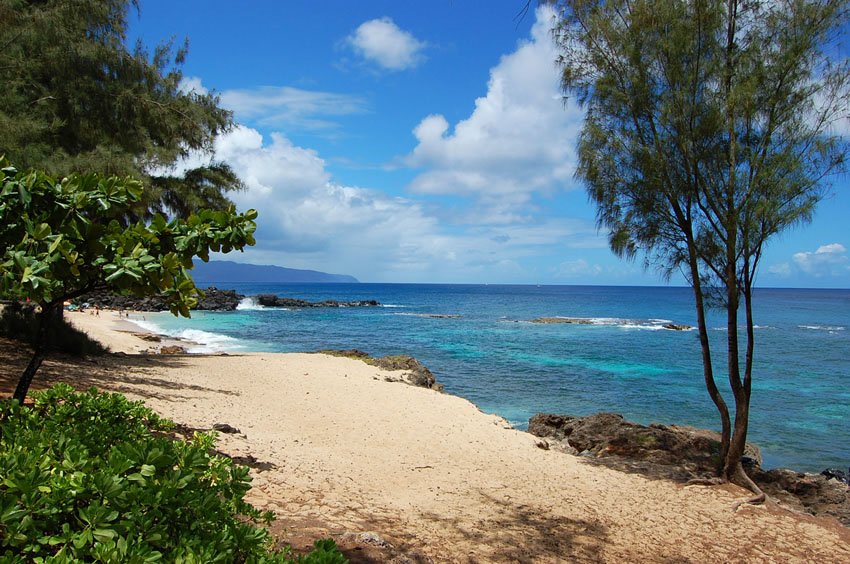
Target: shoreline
{"type": "Point", "coordinates": [337, 450]}
{"type": "Point", "coordinates": [123, 334]}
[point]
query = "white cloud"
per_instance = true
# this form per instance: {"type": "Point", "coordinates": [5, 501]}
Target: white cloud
{"type": "Point", "coordinates": [513, 152]}
{"type": "Point", "coordinates": [578, 268]}
{"type": "Point", "coordinates": [192, 84]}
{"type": "Point", "coordinates": [517, 143]}
{"type": "Point", "coordinates": [294, 108]}
{"type": "Point", "coordinates": [382, 42]}
{"type": "Point", "coordinates": [309, 221]}
{"type": "Point", "coordinates": [782, 269]}
{"type": "Point", "coordinates": [827, 260]}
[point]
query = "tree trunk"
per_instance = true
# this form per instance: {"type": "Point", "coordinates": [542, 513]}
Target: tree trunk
{"type": "Point", "coordinates": [40, 350]}
{"type": "Point", "coordinates": [707, 367]}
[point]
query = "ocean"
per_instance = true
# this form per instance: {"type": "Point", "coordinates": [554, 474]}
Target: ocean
{"type": "Point", "coordinates": [622, 360]}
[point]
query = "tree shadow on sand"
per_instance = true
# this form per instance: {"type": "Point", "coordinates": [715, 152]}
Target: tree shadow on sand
{"type": "Point", "coordinates": [123, 373]}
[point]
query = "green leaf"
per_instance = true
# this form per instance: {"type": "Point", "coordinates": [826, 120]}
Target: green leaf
{"type": "Point", "coordinates": [104, 534]}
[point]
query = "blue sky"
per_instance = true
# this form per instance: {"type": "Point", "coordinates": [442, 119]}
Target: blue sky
{"type": "Point", "coordinates": [421, 142]}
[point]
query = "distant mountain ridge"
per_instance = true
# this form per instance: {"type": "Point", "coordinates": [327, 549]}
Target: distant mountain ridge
{"type": "Point", "coordinates": [228, 272]}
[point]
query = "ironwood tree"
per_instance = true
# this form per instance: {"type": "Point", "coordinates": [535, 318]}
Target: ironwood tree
{"type": "Point", "coordinates": [77, 99]}
{"type": "Point", "coordinates": [711, 126]}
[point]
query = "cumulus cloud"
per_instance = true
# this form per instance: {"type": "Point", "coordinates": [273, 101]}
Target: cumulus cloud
{"type": "Point", "coordinates": [827, 260]}
{"type": "Point", "coordinates": [307, 220]}
{"type": "Point", "coordinates": [514, 148]}
{"type": "Point", "coordinates": [517, 143]}
{"type": "Point", "coordinates": [192, 84]}
{"type": "Point", "coordinates": [382, 42]}
{"type": "Point", "coordinates": [293, 108]}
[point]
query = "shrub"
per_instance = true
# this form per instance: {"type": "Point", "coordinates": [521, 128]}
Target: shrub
{"type": "Point", "coordinates": [94, 477]}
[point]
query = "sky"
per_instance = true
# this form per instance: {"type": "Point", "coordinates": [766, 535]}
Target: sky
{"type": "Point", "coordinates": [404, 141]}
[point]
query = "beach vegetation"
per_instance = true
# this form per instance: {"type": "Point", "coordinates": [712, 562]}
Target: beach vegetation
{"type": "Point", "coordinates": [76, 98]}
{"type": "Point", "coordinates": [94, 477]}
{"type": "Point", "coordinates": [64, 238]}
{"type": "Point", "coordinates": [710, 128]}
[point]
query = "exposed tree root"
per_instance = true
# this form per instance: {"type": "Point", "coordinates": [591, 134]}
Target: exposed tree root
{"type": "Point", "coordinates": [739, 478]}
{"type": "Point", "coordinates": [705, 482]}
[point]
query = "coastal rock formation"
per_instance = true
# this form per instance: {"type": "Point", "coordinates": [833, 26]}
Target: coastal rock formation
{"type": "Point", "coordinates": [270, 300]}
{"type": "Point", "coordinates": [817, 494]}
{"type": "Point", "coordinates": [682, 453]}
{"type": "Point", "coordinates": [676, 327]}
{"type": "Point", "coordinates": [414, 372]}
{"type": "Point", "coordinates": [574, 320]}
{"type": "Point", "coordinates": [213, 300]}
{"type": "Point", "coordinates": [434, 315]}
{"type": "Point", "coordinates": [609, 434]}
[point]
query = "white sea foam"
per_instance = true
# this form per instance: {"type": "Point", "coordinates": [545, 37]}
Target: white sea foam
{"type": "Point", "coordinates": [830, 328]}
{"type": "Point", "coordinates": [631, 324]}
{"type": "Point", "coordinates": [744, 327]}
{"type": "Point", "coordinates": [249, 303]}
{"type": "Point", "coordinates": [147, 325]}
{"type": "Point", "coordinates": [392, 305]}
{"type": "Point", "coordinates": [202, 341]}
{"type": "Point", "coordinates": [207, 342]}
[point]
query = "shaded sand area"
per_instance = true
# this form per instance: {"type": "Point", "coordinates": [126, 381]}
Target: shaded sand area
{"type": "Point", "coordinates": [336, 450]}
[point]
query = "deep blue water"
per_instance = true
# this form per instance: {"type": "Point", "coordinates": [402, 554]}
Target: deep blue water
{"type": "Point", "coordinates": [623, 362]}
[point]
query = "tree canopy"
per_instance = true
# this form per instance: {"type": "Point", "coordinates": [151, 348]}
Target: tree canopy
{"type": "Point", "coordinates": [710, 128]}
{"type": "Point", "coordinates": [61, 239]}
{"type": "Point", "coordinates": [76, 99]}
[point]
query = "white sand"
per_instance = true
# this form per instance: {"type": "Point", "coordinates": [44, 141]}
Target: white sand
{"type": "Point", "coordinates": [351, 452]}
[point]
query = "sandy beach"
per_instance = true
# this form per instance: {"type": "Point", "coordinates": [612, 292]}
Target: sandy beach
{"type": "Point", "coordinates": [337, 450]}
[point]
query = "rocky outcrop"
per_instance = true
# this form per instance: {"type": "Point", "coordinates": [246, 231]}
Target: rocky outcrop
{"type": "Point", "coordinates": [213, 300]}
{"type": "Point", "coordinates": [817, 494]}
{"type": "Point", "coordinates": [219, 300]}
{"type": "Point", "coordinates": [434, 315]}
{"type": "Point", "coordinates": [572, 320]}
{"type": "Point", "coordinates": [270, 300]}
{"type": "Point", "coordinates": [412, 371]}
{"type": "Point", "coordinates": [682, 453]}
{"type": "Point", "coordinates": [676, 327]}
{"type": "Point", "coordinates": [609, 434]}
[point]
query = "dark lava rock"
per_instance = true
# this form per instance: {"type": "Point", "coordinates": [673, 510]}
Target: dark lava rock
{"type": "Point", "coordinates": [570, 320]}
{"type": "Point", "coordinates": [270, 300]}
{"type": "Point", "coordinates": [213, 300]}
{"type": "Point", "coordinates": [675, 327]}
{"type": "Point", "coordinates": [831, 473]}
{"type": "Point", "coordinates": [225, 428]}
{"type": "Point", "coordinates": [815, 494]}
{"type": "Point", "coordinates": [415, 373]}
{"type": "Point", "coordinates": [676, 452]}
{"type": "Point", "coordinates": [219, 300]}
{"type": "Point", "coordinates": [172, 349]}
{"type": "Point", "coordinates": [609, 434]}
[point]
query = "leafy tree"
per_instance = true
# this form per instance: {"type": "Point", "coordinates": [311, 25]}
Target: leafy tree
{"type": "Point", "coordinates": [76, 99]}
{"type": "Point", "coordinates": [709, 129]}
{"type": "Point", "coordinates": [63, 239]}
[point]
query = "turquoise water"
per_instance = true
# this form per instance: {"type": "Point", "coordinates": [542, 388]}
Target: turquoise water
{"type": "Point", "coordinates": [622, 362]}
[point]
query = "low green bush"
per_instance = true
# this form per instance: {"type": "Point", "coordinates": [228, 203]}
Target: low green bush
{"type": "Point", "coordinates": [93, 477]}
